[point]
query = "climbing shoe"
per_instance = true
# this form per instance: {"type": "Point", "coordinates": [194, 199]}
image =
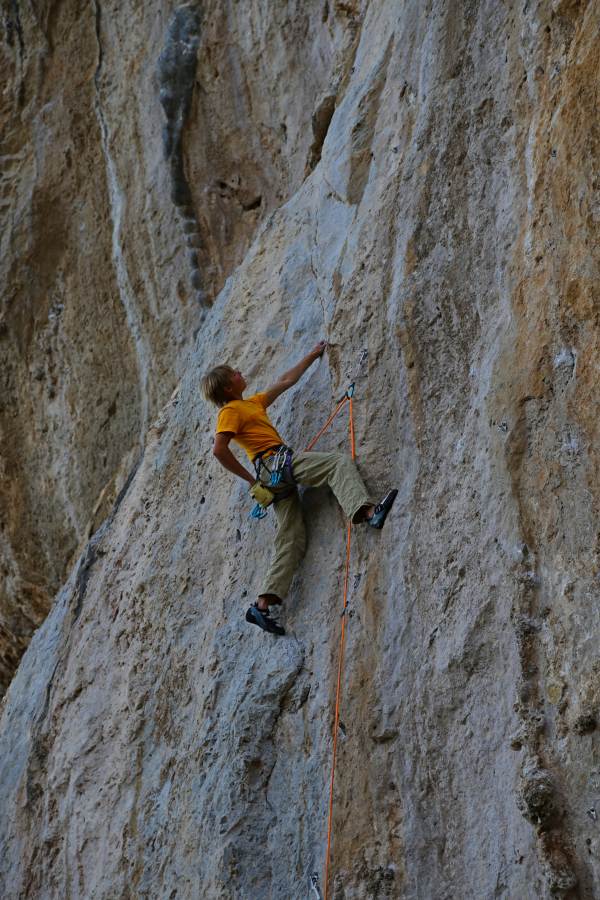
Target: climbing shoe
{"type": "Point", "coordinates": [262, 618]}
{"type": "Point", "coordinates": [382, 509]}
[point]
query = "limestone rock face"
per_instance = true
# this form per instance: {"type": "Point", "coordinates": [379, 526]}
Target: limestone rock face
{"type": "Point", "coordinates": [105, 269]}
{"type": "Point", "coordinates": [417, 180]}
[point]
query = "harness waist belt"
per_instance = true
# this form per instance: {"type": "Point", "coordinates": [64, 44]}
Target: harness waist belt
{"type": "Point", "coordinates": [268, 452]}
{"type": "Point", "coordinates": [280, 470]}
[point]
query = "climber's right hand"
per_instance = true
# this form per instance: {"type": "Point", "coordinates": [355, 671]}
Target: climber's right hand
{"type": "Point", "coordinates": [263, 496]}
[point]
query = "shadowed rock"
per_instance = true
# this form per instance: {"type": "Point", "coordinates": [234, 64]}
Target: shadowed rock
{"type": "Point", "coordinates": [176, 73]}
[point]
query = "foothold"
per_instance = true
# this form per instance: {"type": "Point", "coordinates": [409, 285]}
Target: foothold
{"type": "Point", "coordinates": [255, 203]}
{"type": "Point", "coordinates": [585, 723]}
{"type": "Point", "coordinates": [385, 736]}
{"type": "Point", "coordinates": [196, 281]}
{"type": "Point", "coordinates": [561, 877]}
{"type": "Point", "coordinates": [593, 814]}
{"type": "Point", "coordinates": [537, 801]}
{"type": "Point", "coordinates": [516, 741]}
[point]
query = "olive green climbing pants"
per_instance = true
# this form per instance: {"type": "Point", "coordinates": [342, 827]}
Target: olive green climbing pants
{"type": "Point", "coordinates": [339, 472]}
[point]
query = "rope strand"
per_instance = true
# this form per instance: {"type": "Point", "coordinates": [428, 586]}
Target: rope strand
{"type": "Point", "coordinates": [327, 423]}
{"type": "Point", "coordinates": [338, 692]}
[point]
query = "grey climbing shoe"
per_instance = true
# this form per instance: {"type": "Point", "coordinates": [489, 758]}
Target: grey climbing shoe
{"type": "Point", "coordinates": [262, 618]}
{"type": "Point", "coordinates": [382, 509]}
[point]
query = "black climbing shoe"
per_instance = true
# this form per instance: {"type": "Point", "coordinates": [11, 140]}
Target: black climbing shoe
{"type": "Point", "coordinates": [382, 509]}
{"type": "Point", "coordinates": [262, 618]}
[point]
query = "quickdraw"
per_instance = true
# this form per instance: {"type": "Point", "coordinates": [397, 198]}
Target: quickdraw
{"type": "Point", "coordinates": [280, 469]}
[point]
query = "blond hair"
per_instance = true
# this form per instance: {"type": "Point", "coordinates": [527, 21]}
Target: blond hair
{"type": "Point", "coordinates": [215, 381]}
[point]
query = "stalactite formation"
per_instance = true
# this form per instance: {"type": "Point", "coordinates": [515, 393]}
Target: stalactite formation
{"type": "Point", "coordinates": [176, 73]}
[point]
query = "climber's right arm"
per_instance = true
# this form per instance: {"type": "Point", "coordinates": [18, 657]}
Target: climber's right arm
{"type": "Point", "coordinates": [227, 459]}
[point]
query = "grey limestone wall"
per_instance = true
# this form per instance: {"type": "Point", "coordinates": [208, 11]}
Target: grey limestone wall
{"type": "Point", "coordinates": [428, 192]}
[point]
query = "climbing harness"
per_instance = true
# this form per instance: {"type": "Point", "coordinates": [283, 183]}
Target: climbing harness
{"type": "Point", "coordinates": [279, 469]}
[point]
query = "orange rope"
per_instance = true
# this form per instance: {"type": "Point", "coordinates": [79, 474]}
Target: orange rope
{"type": "Point", "coordinates": [338, 693]}
{"type": "Point", "coordinates": [336, 722]}
{"type": "Point", "coordinates": [327, 424]}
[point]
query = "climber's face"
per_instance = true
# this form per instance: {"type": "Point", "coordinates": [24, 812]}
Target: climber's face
{"type": "Point", "coordinates": [237, 384]}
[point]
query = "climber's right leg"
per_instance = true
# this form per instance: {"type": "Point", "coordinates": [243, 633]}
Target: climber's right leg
{"type": "Point", "coordinates": [288, 550]}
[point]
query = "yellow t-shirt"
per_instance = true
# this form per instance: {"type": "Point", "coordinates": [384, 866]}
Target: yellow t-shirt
{"type": "Point", "coordinates": [249, 422]}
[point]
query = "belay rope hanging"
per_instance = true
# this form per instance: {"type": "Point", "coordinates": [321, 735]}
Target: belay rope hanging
{"type": "Point", "coordinates": [346, 399]}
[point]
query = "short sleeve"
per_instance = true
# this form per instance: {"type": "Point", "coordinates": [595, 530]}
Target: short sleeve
{"type": "Point", "coordinates": [260, 398]}
{"type": "Point", "coordinates": [228, 420]}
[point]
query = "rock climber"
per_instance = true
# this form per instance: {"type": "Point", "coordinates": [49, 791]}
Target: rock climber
{"type": "Point", "coordinates": [278, 470]}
